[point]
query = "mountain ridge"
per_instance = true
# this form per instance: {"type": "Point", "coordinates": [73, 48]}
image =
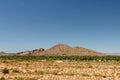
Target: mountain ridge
{"type": "Point", "coordinates": [61, 49]}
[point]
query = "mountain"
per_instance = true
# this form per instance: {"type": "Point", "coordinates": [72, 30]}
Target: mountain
{"type": "Point", "coordinates": [3, 53]}
{"type": "Point", "coordinates": [62, 49]}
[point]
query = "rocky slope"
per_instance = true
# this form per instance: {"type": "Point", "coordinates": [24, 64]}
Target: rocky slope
{"type": "Point", "coordinates": [35, 52]}
{"type": "Point", "coordinates": [61, 49]}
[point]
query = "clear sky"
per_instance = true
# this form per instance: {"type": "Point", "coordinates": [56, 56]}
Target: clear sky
{"type": "Point", "coordinates": [30, 24]}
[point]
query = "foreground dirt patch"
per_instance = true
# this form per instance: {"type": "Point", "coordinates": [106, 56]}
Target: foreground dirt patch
{"type": "Point", "coordinates": [60, 70]}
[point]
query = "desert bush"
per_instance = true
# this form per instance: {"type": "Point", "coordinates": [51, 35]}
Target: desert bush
{"type": "Point", "coordinates": [100, 75]}
{"type": "Point", "coordinates": [5, 71]}
{"type": "Point", "coordinates": [90, 66]}
{"type": "Point", "coordinates": [20, 78]}
{"type": "Point", "coordinates": [55, 73]}
{"type": "Point", "coordinates": [40, 72]}
{"type": "Point", "coordinates": [2, 78]}
{"type": "Point", "coordinates": [15, 71]}
{"type": "Point", "coordinates": [86, 75]}
{"type": "Point", "coordinates": [27, 64]}
{"type": "Point", "coordinates": [68, 74]}
{"type": "Point", "coordinates": [5, 61]}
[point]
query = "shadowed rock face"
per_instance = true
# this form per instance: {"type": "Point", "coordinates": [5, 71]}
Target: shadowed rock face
{"type": "Point", "coordinates": [31, 53]}
{"type": "Point", "coordinates": [61, 49]}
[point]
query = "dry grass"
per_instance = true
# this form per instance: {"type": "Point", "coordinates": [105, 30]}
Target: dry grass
{"type": "Point", "coordinates": [60, 70]}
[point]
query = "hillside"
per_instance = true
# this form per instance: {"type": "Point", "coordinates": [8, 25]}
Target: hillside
{"type": "Point", "coordinates": [3, 54]}
{"type": "Point", "coordinates": [61, 49]}
{"type": "Point", "coordinates": [35, 52]}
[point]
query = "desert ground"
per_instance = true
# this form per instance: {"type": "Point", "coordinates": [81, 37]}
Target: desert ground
{"type": "Point", "coordinates": [59, 70]}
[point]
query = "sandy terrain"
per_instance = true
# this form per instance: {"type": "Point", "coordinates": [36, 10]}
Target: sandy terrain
{"type": "Point", "coordinates": [60, 70]}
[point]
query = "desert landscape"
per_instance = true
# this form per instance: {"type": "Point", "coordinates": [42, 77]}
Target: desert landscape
{"type": "Point", "coordinates": [59, 40]}
{"type": "Point", "coordinates": [59, 70]}
{"type": "Point", "coordinates": [60, 62]}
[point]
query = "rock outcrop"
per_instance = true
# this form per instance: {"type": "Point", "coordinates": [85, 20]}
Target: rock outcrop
{"type": "Point", "coordinates": [34, 52]}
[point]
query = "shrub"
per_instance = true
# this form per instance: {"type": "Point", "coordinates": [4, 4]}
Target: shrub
{"type": "Point", "coordinates": [19, 78]}
{"type": "Point", "coordinates": [86, 75]}
{"type": "Point", "coordinates": [40, 72]}
{"type": "Point", "coordinates": [5, 71]}
{"type": "Point", "coordinates": [69, 74]}
{"type": "Point", "coordinates": [2, 78]}
{"type": "Point", "coordinates": [55, 73]}
{"type": "Point", "coordinates": [90, 66]}
{"type": "Point", "coordinates": [100, 75]}
{"type": "Point", "coordinates": [15, 71]}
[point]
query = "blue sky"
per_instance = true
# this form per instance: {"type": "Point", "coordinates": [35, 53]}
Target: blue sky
{"type": "Point", "coordinates": [30, 24]}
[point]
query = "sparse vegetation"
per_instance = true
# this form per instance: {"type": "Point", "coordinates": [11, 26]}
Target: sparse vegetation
{"type": "Point", "coordinates": [85, 75]}
{"type": "Point", "coordinates": [100, 75]}
{"type": "Point", "coordinates": [40, 72]}
{"type": "Point", "coordinates": [15, 71]}
{"type": "Point", "coordinates": [58, 68]}
{"type": "Point", "coordinates": [55, 73]}
{"type": "Point", "coordinates": [68, 74]}
{"type": "Point", "coordinates": [76, 58]}
{"type": "Point", "coordinates": [90, 66]}
{"type": "Point", "coordinates": [19, 78]}
{"type": "Point", "coordinates": [2, 78]}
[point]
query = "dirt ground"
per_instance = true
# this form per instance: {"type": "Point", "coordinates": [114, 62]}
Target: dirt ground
{"type": "Point", "coordinates": [60, 70]}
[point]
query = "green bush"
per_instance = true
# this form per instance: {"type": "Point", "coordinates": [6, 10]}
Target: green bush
{"type": "Point", "coordinates": [64, 57]}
